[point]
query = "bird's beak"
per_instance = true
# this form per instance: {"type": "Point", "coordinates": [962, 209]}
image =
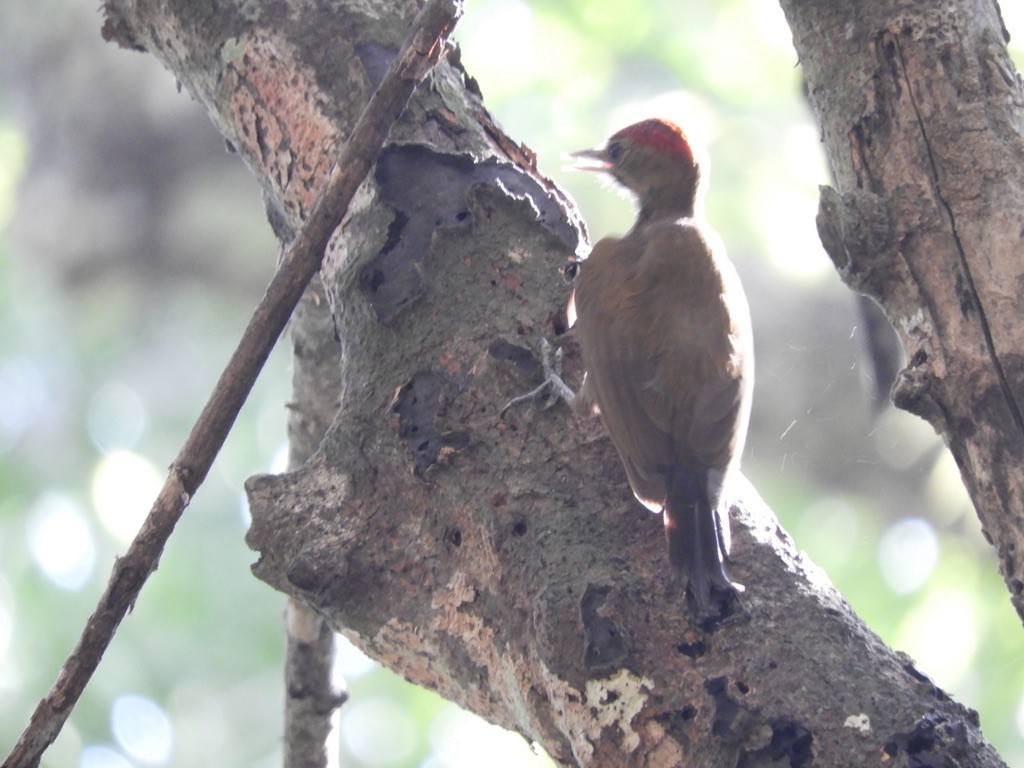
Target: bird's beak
{"type": "Point", "coordinates": [589, 160]}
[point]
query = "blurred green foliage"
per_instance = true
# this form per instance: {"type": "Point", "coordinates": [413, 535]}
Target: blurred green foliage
{"type": "Point", "coordinates": [100, 380]}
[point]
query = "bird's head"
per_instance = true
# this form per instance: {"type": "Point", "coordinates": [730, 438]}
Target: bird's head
{"type": "Point", "coordinates": [654, 160]}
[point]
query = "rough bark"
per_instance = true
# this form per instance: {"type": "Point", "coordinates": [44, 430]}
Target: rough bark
{"type": "Point", "coordinates": [922, 113]}
{"type": "Point", "coordinates": [299, 265]}
{"type": "Point", "coordinates": [504, 563]}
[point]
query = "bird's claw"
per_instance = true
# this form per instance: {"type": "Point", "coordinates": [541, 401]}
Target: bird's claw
{"type": "Point", "coordinates": [552, 366]}
{"type": "Point", "coordinates": [552, 384]}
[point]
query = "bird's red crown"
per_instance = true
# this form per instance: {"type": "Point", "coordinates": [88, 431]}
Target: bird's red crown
{"type": "Point", "coordinates": [660, 135]}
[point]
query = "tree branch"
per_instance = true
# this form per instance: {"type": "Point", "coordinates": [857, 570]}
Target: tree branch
{"type": "Point", "coordinates": [301, 261]}
{"type": "Point", "coordinates": [311, 696]}
{"type": "Point", "coordinates": [504, 563]}
{"type": "Point", "coordinates": [920, 106]}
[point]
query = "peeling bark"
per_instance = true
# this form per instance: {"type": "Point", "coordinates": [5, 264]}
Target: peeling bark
{"type": "Point", "coordinates": [504, 562]}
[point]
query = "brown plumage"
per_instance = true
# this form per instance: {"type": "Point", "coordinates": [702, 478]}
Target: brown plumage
{"type": "Point", "coordinates": [665, 334]}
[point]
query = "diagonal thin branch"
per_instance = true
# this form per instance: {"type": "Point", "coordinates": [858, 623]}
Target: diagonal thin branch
{"type": "Point", "coordinates": [418, 54]}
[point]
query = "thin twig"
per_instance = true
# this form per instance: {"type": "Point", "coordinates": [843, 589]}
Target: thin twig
{"type": "Point", "coordinates": [312, 692]}
{"type": "Point", "coordinates": [312, 695]}
{"type": "Point", "coordinates": [419, 53]}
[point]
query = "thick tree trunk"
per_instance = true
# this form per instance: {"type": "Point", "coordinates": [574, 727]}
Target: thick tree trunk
{"type": "Point", "coordinates": [504, 563]}
{"type": "Point", "coordinates": [922, 113]}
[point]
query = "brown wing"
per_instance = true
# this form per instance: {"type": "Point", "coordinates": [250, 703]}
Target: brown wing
{"type": "Point", "coordinates": [704, 346]}
{"type": "Point", "coordinates": [667, 356]}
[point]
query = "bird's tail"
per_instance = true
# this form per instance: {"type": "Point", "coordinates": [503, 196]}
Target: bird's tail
{"type": "Point", "coordinates": [694, 529]}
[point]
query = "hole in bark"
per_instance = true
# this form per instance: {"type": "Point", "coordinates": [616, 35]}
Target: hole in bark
{"type": "Point", "coordinates": [605, 645]}
{"type": "Point", "coordinates": [519, 528]}
{"type": "Point", "coordinates": [455, 537]}
{"type": "Point", "coordinates": [693, 650]}
{"type": "Point", "coordinates": [790, 746]}
{"type": "Point", "coordinates": [934, 738]}
{"type": "Point", "coordinates": [715, 685]}
{"type": "Point", "coordinates": [742, 687]}
{"type": "Point", "coordinates": [688, 712]}
{"type": "Point", "coordinates": [522, 357]}
{"type": "Point", "coordinates": [726, 710]}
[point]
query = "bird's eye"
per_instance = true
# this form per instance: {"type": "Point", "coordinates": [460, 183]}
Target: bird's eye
{"type": "Point", "coordinates": [614, 151]}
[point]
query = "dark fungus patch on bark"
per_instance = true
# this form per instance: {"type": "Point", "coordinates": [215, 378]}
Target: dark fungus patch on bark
{"type": "Point", "coordinates": [693, 650]}
{"type": "Point", "coordinates": [605, 644]}
{"type": "Point", "coordinates": [521, 357]}
{"type": "Point", "coordinates": [934, 741]}
{"type": "Point", "coordinates": [726, 710]}
{"type": "Point", "coordinates": [427, 190]}
{"type": "Point", "coordinates": [417, 406]}
{"type": "Point", "coordinates": [791, 746]}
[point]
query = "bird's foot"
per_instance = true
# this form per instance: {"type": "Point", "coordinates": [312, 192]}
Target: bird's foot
{"type": "Point", "coordinates": [553, 385]}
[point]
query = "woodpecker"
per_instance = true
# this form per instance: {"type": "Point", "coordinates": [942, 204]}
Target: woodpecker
{"type": "Point", "coordinates": [664, 331]}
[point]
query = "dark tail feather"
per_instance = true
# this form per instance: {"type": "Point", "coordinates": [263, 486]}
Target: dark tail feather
{"type": "Point", "coordinates": [692, 527]}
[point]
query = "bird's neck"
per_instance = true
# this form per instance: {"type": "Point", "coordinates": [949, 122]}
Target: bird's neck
{"type": "Point", "coordinates": [666, 203]}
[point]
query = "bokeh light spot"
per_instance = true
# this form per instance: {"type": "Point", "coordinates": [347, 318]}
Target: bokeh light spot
{"type": "Point", "coordinates": [502, 32]}
{"type": "Point", "coordinates": [279, 461]}
{"type": "Point", "coordinates": [116, 417]}
{"type": "Point", "coordinates": [8, 676]}
{"type": "Point", "coordinates": [941, 635]}
{"type": "Point", "coordinates": [24, 398]}
{"type": "Point", "coordinates": [907, 553]}
{"type": "Point", "coordinates": [124, 487]}
{"type": "Point", "coordinates": [204, 730]}
{"type": "Point", "coordinates": [379, 732]}
{"type": "Point", "coordinates": [244, 513]}
{"type": "Point", "coordinates": [13, 153]}
{"type": "Point", "coordinates": [142, 729]}
{"type": "Point", "coordinates": [462, 740]}
{"type": "Point", "coordinates": [1020, 717]}
{"type": "Point", "coordinates": [60, 541]}
{"type": "Point", "coordinates": [102, 757]}
{"type": "Point", "coordinates": [831, 528]}
{"type": "Point", "coordinates": [947, 500]}
{"type": "Point", "coordinates": [902, 440]}
{"type": "Point", "coordinates": [350, 663]}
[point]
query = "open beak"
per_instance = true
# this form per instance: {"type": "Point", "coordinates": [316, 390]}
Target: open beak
{"type": "Point", "coordinates": [589, 160]}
